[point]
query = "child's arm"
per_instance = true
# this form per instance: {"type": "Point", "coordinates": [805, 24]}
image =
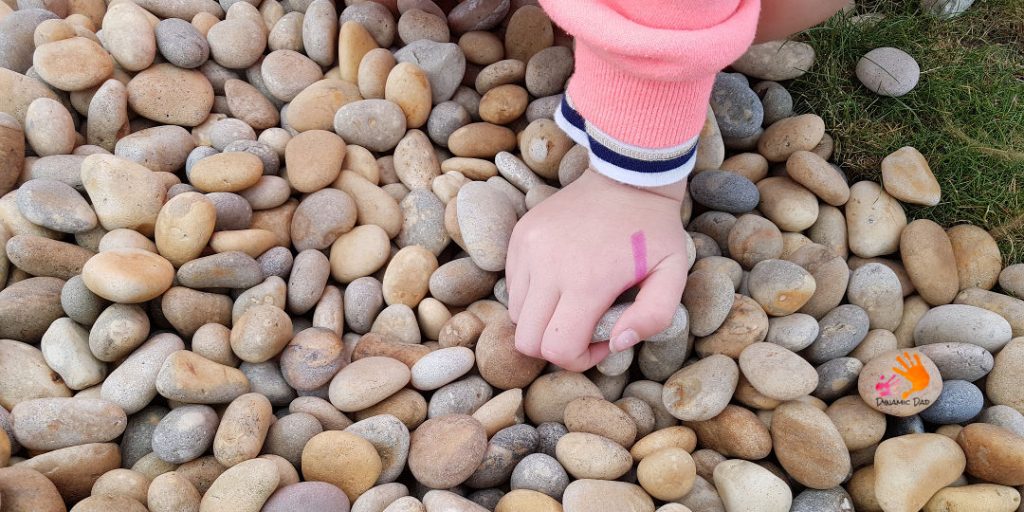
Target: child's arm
{"type": "Point", "coordinates": [783, 18]}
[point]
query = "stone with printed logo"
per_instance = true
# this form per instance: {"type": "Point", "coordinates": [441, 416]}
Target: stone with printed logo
{"type": "Point", "coordinates": [900, 382]}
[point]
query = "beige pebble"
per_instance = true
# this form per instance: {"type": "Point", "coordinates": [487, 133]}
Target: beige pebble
{"type": "Point", "coordinates": [128, 275]}
{"type": "Point", "coordinates": [172, 95]}
{"type": "Point", "coordinates": [73, 64]}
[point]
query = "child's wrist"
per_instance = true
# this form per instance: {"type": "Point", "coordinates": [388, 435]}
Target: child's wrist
{"type": "Point", "coordinates": [674, 192]}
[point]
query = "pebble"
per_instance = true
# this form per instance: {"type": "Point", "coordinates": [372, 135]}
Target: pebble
{"type": "Point", "coordinates": [486, 219]}
{"type": "Point", "coordinates": [994, 454]}
{"type": "Point", "coordinates": [225, 270]}
{"type": "Point", "coordinates": [307, 496]}
{"type": "Point", "coordinates": [776, 60]}
{"type": "Point", "coordinates": [54, 423]}
{"type": "Point", "coordinates": [744, 485]}
{"type": "Point", "coordinates": [375, 124]}
{"type": "Point", "coordinates": [938, 462]}
{"type": "Point", "coordinates": [132, 385]}
{"type": "Point", "coordinates": [996, 498]}
{"type": "Point", "coordinates": [818, 176]}
{"type": "Point", "coordinates": [776, 100]}
{"type": "Point", "coordinates": [809, 446]}
{"type": "Point", "coordinates": [959, 402]}
{"type": "Point", "coordinates": [702, 390]}
{"type": "Point", "coordinates": [173, 95]}
{"type": "Point", "coordinates": [191, 378]}
{"type": "Point", "coordinates": [708, 298]}
{"type": "Point", "coordinates": [505, 450]}
{"type": "Point", "coordinates": [542, 473]}
{"type": "Point", "coordinates": [390, 437]}
{"type": "Point", "coordinates": [128, 275]}
{"type": "Point", "coordinates": [244, 487]}
{"type": "Point", "coordinates": [444, 64]}
{"type": "Point", "coordinates": [49, 129]}
{"type": "Point", "coordinates": [835, 499]}
{"type": "Point", "coordinates": [446, 451]}
{"type": "Point", "coordinates": [342, 459]}
{"type": "Point", "coordinates": [907, 177]}
{"type": "Point", "coordinates": [1003, 416]}
{"type": "Point", "coordinates": [888, 71]}
{"type": "Point", "coordinates": [874, 220]}
{"type": "Point", "coordinates": [876, 289]}
{"type": "Point", "coordinates": [65, 347]}
{"type": "Point", "coordinates": [999, 385]}
{"type": "Point", "coordinates": [776, 372]}
{"type": "Point", "coordinates": [181, 43]}
{"type": "Point", "coordinates": [780, 287]}
{"type": "Point", "coordinates": [724, 191]}
{"type": "Point", "coordinates": [737, 108]}
{"type": "Point", "coordinates": [961, 323]}
{"type": "Point", "coordinates": [481, 140]}
{"type": "Point", "coordinates": [794, 332]}
{"type": "Point", "coordinates": [366, 382]}
{"type": "Point", "coordinates": [185, 433]}
{"type": "Point", "coordinates": [119, 206]}
{"type": "Point", "coordinates": [72, 64]}
{"type": "Point", "coordinates": [839, 332]}
{"type": "Point", "coordinates": [837, 377]}
{"type": "Point", "coordinates": [736, 432]}
{"type": "Point", "coordinates": [787, 203]}
{"type": "Point", "coordinates": [928, 257]}
{"type": "Point", "coordinates": [886, 390]}
{"type": "Point", "coordinates": [859, 425]}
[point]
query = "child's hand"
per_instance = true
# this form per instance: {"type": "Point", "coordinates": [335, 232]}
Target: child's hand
{"type": "Point", "coordinates": [572, 255]}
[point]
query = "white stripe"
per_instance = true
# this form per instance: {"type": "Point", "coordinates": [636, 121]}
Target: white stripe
{"type": "Point", "coordinates": [627, 176]}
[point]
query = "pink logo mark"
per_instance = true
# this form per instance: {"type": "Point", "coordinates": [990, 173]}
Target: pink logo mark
{"type": "Point", "coordinates": [639, 242]}
{"type": "Point", "coordinates": [884, 388]}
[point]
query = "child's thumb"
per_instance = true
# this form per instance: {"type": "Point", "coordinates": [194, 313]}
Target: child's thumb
{"type": "Point", "coordinates": [652, 312]}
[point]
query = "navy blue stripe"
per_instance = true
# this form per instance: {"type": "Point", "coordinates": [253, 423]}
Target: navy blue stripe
{"type": "Point", "coordinates": [635, 164]}
{"type": "Point", "coordinates": [572, 116]}
{"type": "Point", "coordinates": [618, 159]}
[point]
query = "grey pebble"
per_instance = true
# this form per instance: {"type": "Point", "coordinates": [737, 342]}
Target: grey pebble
{"type": "Point", "coordinates": [794, 332]}
{"type": "Point", "coordinates": [543, 108]}
{"type": "Point", "coordinates": [550, 433]}
{"type": "Point", "coordinates": [460, 397]}
{"type": "Point", "coordinates": [55, 205]}
{"type": "Point", "coordinates": [959, 361]}
{"type": "Point", "coordinates": [505, 450]}
{"type": "Point", "coordinates": [423, 221]}
{"type": "Point", "coordinates": [266, 379]}
{"type": "Point", "coordinates": [233, 211]}
{"type": "Point", "coordinates": [185, 433]}
{"type": "Point", "coordinates": [959, 402]}
{"type": "Point", "coordinates": [516, 171]}
{"type": "Point", "coordinates": [837, 377]}
{"type": "Point", "coordinates": [263, 151]}
{"type": "Point", "coordinates": [487, 498]}
{"type": "Point", "coordinates": [137, 440]}
{"type": "Point", "coordinates": [1004, 416]}
{"type": "Point", "coordinates": [375, 124]}
{"type": "Point", "coordinates": [225, 270]}
{"type": "Point", "coordinates": [835, 499]}
{"type": "Point", "coordinates": [776, 101]}
{"type": "Point", "coordinates": [444, 119]}
{"type": "Point", "coordinates": [276, 261]}
{"type": "Point", "coordinates": [8, 426]}
{"type": "Point", "coordinates": [839, 332]}
{"type": "Point", "coordinates": [306, 284]}
{"type": "Point", "coordinates": [659, 360]}
{"type": "Point", "coordinates": [391, 439]}
{"type": "Point", "coordinates": [444, 64]}
{"type": "Point", "coordinates": [363, 300]}
{"type": "Point", "coordinates": [542, 473]}
{"type": "Point", "coordinates": [181, 44]}
{"type": "Point", "coordinates": [906, 425]}
{"type": "Point", "coordinates": [737, 107]}
{"type": "Point", "coordinates": [888, 71]}
{"type": "Point", "coordinates": [548, 70]}
{"type": "Point", "coordinates": [16, 37]}
{"type": "Point", "coordinates": [79, 303]}
{"type": "Point", "coordinates": [289, 434]}
{"type": "Point", "coordinates": [724, 191]}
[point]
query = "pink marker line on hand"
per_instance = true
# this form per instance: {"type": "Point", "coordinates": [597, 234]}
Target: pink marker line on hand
{"type": "Point", "coordinates": [639, 242]}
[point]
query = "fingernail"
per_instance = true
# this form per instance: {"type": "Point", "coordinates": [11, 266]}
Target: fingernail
{"type": "Point", "coordinates": [624, 340]}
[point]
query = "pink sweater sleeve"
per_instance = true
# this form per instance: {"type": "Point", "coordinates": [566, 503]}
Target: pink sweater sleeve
{"type": "Point", "coordinates": [644, 72]}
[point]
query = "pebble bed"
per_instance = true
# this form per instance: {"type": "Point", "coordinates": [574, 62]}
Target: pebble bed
{"type": "Point", "coordinates": [251, 258]}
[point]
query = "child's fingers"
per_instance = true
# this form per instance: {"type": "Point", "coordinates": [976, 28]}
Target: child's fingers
{"type": "Point", "coordinates": [655, 304]}
{"type": "Point", "coordinates": [569, 332]}
{"type": "Point", "coordinates": [518, 286]}
{"type": "Point", "coordinates": [533, 319]}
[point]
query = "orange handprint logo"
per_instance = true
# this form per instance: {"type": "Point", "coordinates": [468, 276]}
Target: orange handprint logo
{"type": "Point", "coordinates": [914, 372]}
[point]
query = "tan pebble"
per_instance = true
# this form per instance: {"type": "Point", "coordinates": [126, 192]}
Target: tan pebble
{"type": "Point", "coordinates": [462, 330]}
{"type": "Point", "coordinates": [261, 333]}
{"type": "Point", "coordinates": [481, 140]}
{"type": "Point", "coordinates": [226, 172]}
{"type": "Point", "coordinates": [597, 416]}
{"type": "Point", "coordinates": [408, 86]}
{"type": "Point", "coordinates": [587, 455]}
{"type": "Point", "coordinates": [73, 470]}
{"type": "Point", "coordinates": [859, 425]}
{"type": "Point", "coordinates": [787, 136]}
{"type": "Point", "coordinates": [813, 172]}
{"type": "Point", "coordinates": [128, 275]}
{"type": "Point", "coordinates": [549, 395]}
{"type": "Point", "coordinates": [123, 482]}
{"type": "Point", "coordinates": [172, 95]}
{"type": "Point", "coordinates": [124, 194]}
{"type": "Point", "coordinates": [787, 203]}
{"type": "Point", "coordinates": [472, 168]}
{"type": "Point", "coordinates": [408, 405]}
{"type": "Point", "coordinates": [250, 105]}
{"type": "Point", "coordinates": [358, 253]}
{"type": "Point", "coordinates": [101, 503]}
{"type": "Point", "coordinates": [928, 256]}
{"type": "Point", "coordinates": [529, 31]}
{"type": "Point", "coordinates": [55, 423]}
{"type": "Point", "coordinates": [445, 451]}
{"type": "Point", "coordinates": [373, 205]}
{"type": "Point", "coordinates": [237, 43]}
{"type": "Point", "coordinates": [432, 315]}
{"type": "Point", "coordinates": [415, 162]}
{"type": "Point", "coordinates": [242, 488]}
{"type": "Point", "coordinates": [243, 429]}
{"type": "Point", "coordinates": [191, 378]}
{"type": "Point", "coordinates": [938, 462]}
{"type": "Point", "coordinates": [73, 64]}
{"type": "Point", "coordinates": [129, 36]}
{"type": "Point", "coordinates": [525, 499]}
{"type": "Point", "coordinates": [991, 497]}
{"type": "Point", "coordinates": [596, 495]}
{"type": "Point", "coordinates": [367, 382]}
{"type": "Point", "coordinates": [907, 177]}
{"type": "Point", "coordinates": [499, 362]}
{"type": "Point", "coordinates": [286, 73]}
{"type": "Point", "coordinates": [171, 492]}
{"type": "Point", "coordinates": [542, 145]}
{"type": "Point", "coordinates": [501, 412]}
{"type": "Point", "coordinates": [874, 220]}
{"type": "Point", "coordinates": [667, 474]}
{"type": "Point", "coordinates": [994, 454]}
{"type": "Point", "coordinates": [49, 128]}
{"type": "Point", "coordinates": [374, 70]}
{"type": "Point", "coordinates": [797, 426]}
{"type": "Point", "coordinates": [482, 48]}
{"type": "Point", "coordinates": [315, 106]}
{"type": "Point", "coordinates": [184, 226]}
{"type": "Point", "coordinates": [503, 104]}
{"type": "Point", "coordinates": [353, 43]}
{"type": "Point", "coordinates": [978, 260]}
{"type": "Point", "coordinates": [736, 432]}
{"type": "Point", "coordinates": [407, 275]}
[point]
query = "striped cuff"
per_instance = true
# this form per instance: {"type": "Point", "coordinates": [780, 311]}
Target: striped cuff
{"type": "Point", "coordinates": [626, 163]}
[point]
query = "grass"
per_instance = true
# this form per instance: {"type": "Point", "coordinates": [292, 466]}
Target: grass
{"type": "Point", "coordinates": [966, 115]}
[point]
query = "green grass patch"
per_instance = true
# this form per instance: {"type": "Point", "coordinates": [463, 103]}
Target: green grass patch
{"type": "Point", "coordinates": [966, 114]}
